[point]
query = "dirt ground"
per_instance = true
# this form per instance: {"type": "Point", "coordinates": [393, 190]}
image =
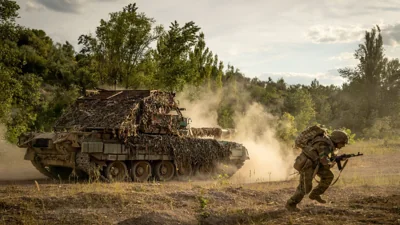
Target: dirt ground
{"type": "Point", "coordinates": [367, 193]}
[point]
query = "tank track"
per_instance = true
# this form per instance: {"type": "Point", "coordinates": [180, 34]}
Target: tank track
{"type": "Point", "coordinates": [84, 164]}
{"type": "Point", "coordinates": [42, 169]}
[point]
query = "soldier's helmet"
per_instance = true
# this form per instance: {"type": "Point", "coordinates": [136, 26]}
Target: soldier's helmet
{"type": "Point", "coordinates": [339, 136]}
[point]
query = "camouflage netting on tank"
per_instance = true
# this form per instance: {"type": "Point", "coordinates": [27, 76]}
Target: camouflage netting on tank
{"type": "Point", "coordinates": [97, 114]}
{"type": "Point", "coordinates": [186, 150]}
{"type": "Point", "coordinates": [206, 132]}
{"type": "Point", "coordinates": [123, 111]}
{"type": "Point", "coordinates": [154, 115]}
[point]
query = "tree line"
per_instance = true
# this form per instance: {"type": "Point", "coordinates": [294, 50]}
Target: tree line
{"type": "Point", "coordinates": [40, 78]}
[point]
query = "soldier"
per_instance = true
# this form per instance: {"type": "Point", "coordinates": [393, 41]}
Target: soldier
{"type": "Point", "coordinates": [320, 158]}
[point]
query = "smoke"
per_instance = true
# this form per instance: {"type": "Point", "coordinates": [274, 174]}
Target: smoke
{"type": "Point", "coordinates": [200, 108]}
{"type": "Point", "coordinates": [12, 163]}
{"type": "Point", "coordinates": [270, 160]}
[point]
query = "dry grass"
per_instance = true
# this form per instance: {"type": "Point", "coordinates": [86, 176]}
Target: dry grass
{"type": "Point", "coordinates": [366, 193]}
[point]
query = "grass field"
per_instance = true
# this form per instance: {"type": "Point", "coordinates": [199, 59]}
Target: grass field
{"type": "Point", "coordinates": [366, 193]}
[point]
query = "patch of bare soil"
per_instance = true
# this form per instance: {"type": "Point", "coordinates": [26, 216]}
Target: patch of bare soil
{"type": "Point", "coordinates": [183, 203]}
{"type": "Point", "coordinates": [367, 193]}
{"type": "Point", "coordinates": [167, 217]}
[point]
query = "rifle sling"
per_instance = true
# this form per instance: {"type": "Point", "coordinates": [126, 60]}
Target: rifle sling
{"type": "Point", "coordinates": [344, 165]}
{"type": "Point", "coordinates": [316, 170]}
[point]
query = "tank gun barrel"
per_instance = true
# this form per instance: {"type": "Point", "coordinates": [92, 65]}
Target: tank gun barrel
{"type": "Point", "coordinates": [217, 133]}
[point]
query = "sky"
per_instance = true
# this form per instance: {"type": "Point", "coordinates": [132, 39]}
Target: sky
{"type": "Point", "coordinates": [290, 39]}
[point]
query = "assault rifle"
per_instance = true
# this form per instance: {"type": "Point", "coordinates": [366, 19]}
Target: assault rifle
{"type": "Point", "coordinates": [344, 157]}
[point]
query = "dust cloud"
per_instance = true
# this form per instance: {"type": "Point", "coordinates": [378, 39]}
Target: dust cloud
{"type": "Point", "coordinates": [202, 110]}
{"type": "Point", "coordinates": [12, 163]}
{"type": "Point", "coordinates": [270, 160]}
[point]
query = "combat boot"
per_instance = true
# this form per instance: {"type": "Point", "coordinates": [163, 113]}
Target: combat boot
{"type": "Point", "coordinates": [317, 198]}
{"type": "Point", "coordinates": [290, 206]}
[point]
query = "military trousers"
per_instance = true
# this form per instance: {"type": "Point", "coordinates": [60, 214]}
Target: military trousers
{"type": "Point", "coordinates": [305, 182]}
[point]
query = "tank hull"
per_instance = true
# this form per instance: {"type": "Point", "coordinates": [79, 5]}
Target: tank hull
{"type": "Point", "coordinates": [138, 158]}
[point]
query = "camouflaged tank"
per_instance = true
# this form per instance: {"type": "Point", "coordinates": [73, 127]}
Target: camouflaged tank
{"type": "Point", "coordinates": [133, 135]}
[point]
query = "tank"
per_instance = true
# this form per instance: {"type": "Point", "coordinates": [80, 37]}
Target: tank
{"type": "Point", "coordinates": [131, 135]}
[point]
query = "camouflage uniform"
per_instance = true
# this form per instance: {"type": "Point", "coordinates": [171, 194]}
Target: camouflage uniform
{"type": "Point", "coordinates": [321, 152]}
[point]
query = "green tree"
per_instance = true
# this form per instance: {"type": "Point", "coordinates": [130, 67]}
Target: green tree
{"type": "Point", "coordinates": [120, 44]}
{"type": "Point", "coordinates": [366, 79]}
{"type": "Point", "coordinates": [62, 66]}
{"type": "Point", "coordinates": [286, 128]}
{"type": "Point", "coordinates": [299, 103]}
{"type": "Point", "coordinates": [8, 11]}
{"type": "Point", "coordinates": [86, 74]}
{"type": "Point", "coordinates": [8, 56]}
{"type": "Point", "coordinates": [321, 96]}
{"type": "Point", "coordinates": [25, 106]}
{"type": "Point", "coordinates": [391, 89]}
{"type": "Point", "coordinates": [201, 59]}
{"type": "Point", "coordinates": [25, 63]}
{"type": "Point", "coordinates": [217, 73]}
{"type": "Point", "coordinates": [174, 69]}
{"type": "Point", "coordinates": [34, 47]}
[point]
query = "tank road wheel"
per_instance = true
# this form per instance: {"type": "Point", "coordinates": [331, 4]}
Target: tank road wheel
{"type": "Point", "coordinates": [116, 171]}
{"type": "Point", "coordinates": [141, 171]}
{"type": "Point", "coordinates": [164, 170]}
{"type": "Point", "coordinates": [185, 172]}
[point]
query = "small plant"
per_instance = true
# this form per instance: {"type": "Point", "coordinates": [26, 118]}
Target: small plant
{"type": "Point", "coordinates": [223, 179]}
{"type": "Point", "coordinates": [203, 202]}
{"type": "Point", "coordinates": [204, 214]}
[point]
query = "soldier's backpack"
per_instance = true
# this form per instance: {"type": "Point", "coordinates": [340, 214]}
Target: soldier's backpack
{"type": "Point", "coordinates": [308, 135]}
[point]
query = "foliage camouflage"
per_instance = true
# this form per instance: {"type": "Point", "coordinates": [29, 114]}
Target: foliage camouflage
{"type": "Point", "coordinates": [124, 128]}
{"type": "Point", "coordinates": [188, 151]}
{"type": "Point", "coordinates": [124, 111]}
